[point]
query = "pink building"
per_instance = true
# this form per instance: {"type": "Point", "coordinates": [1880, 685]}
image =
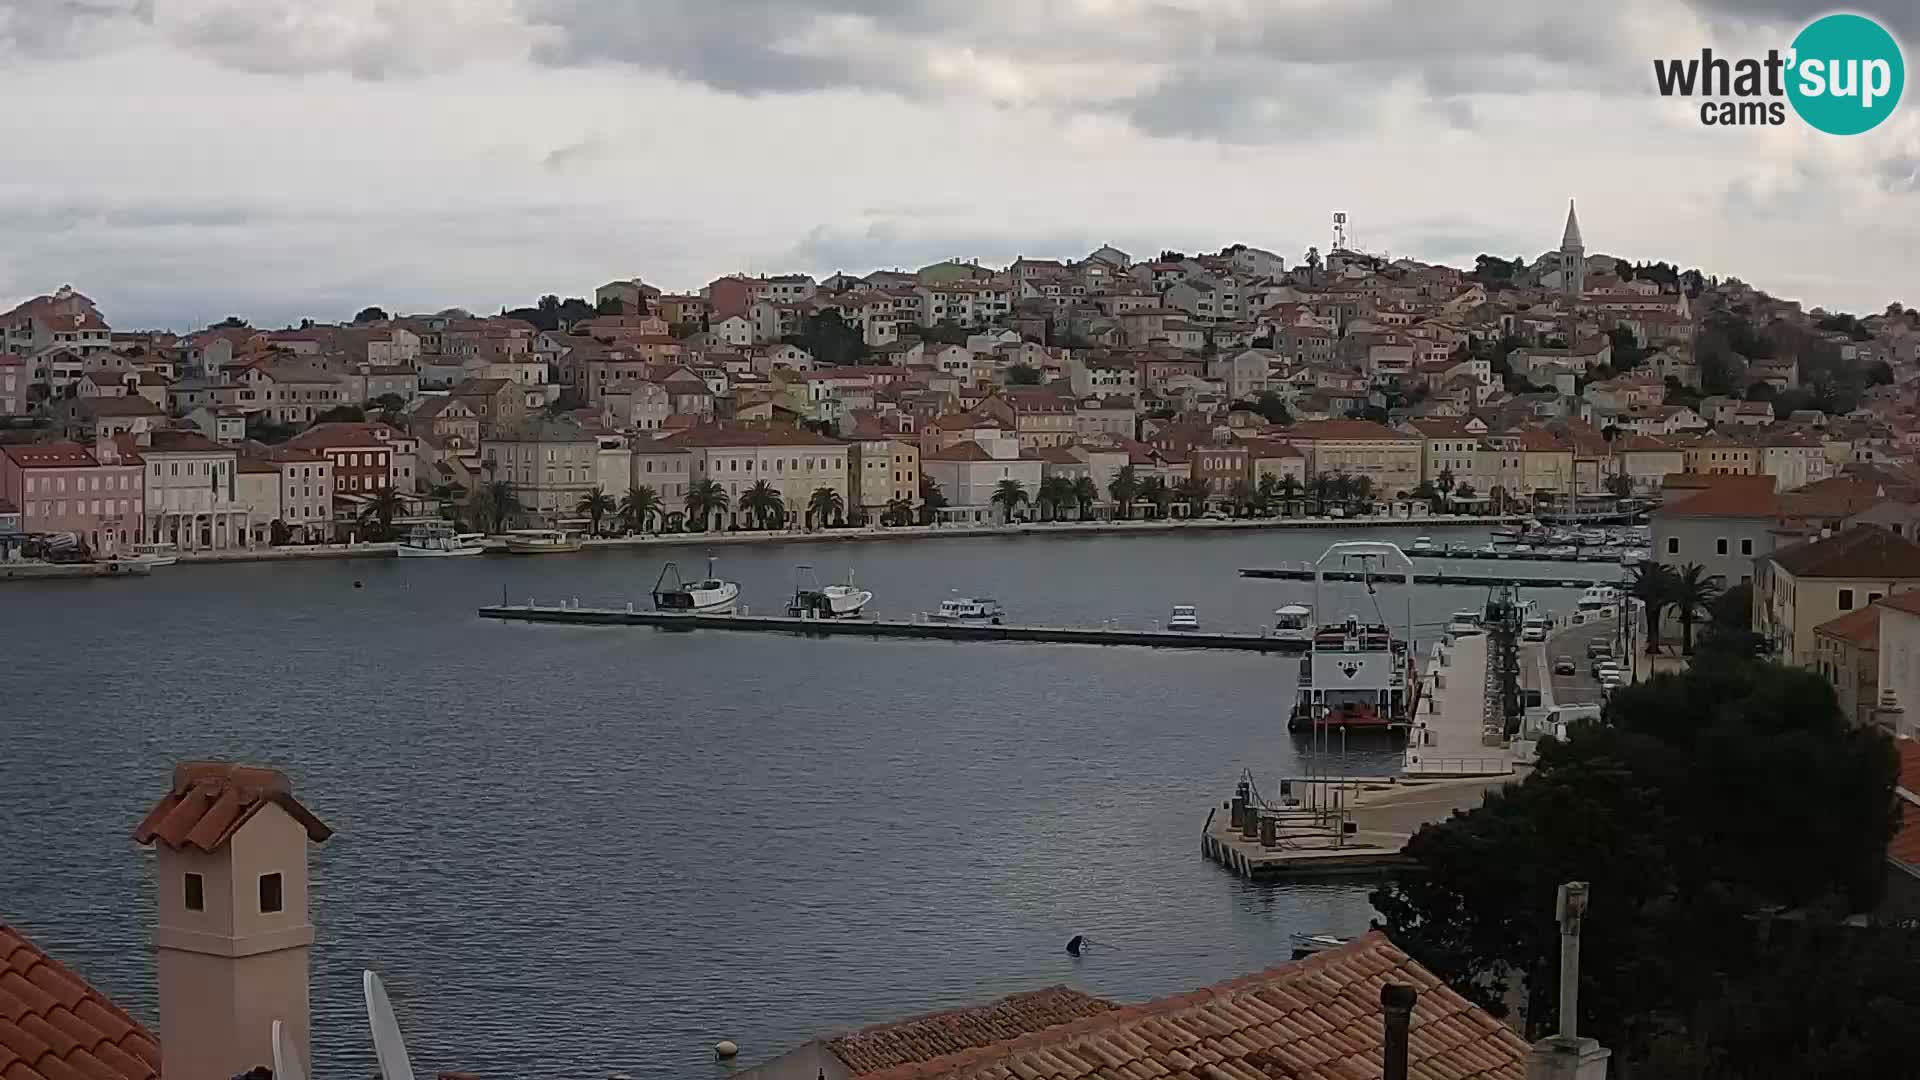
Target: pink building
{"type": "Point", "coordinates": [62, 487]}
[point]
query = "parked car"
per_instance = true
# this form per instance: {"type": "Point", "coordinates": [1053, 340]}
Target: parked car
{"type": "Point", "coordinates": [1564, 666]}
{"type": "Point", "coordinates": [1599, 650]}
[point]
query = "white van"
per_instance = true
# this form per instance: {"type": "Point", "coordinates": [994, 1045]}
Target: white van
{"type": "Point", "coordinates": [1554, 721]}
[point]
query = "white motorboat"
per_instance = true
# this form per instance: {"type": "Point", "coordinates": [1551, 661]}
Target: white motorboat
{"type": "Point", "coordinates": [968, 609]}
{"type": "Point", "coordinates": [1464, 622]}
{"type": "Point", "coordinates": [1422, 545]}
{"type": "Point", "coordinates": [1599, 596]}
{"type": "Point", "coordinates": [708, 596]}
{"type": "Point", "coordinates": [155, 554]}
{"type": "Point", "coordinates": [1184, 617]}
{"type": "Point", "coordinates": [543, 541]}
{"type": "Point", "coordinates": [1293, 623]}
{"type": "Point", "coordinates": [811, 601]}
{"type": "Point", "coordinates": [436, 541]}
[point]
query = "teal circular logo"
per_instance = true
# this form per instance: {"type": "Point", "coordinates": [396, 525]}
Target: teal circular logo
{"type": "Point", "coordinates": [1847, 74]}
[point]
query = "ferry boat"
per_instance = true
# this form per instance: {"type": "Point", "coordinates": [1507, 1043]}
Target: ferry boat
{"type": "Point", "coordinates": [708, 596]}
{"type": "Point", "coordinates": [811, 601]}
{"type": "Point", "coordinates": [1358, 676]}
{"type": "Point", "coordinates": [543, 541]}
{"type": "Point", "coordinates": [1293, 623]}
{"type": "Point", "coordinates": [1184, 617]}
{"type": "Point", "coordinates": [436, 541]}
{"type": "Point", "coordinates": [968, 610]}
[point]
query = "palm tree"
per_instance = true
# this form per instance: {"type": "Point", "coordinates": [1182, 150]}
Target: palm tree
{"type": "Point", "coordinates": [762, 502]}
{"type": "Point", "coordinates": [1317, 488]}
{"type": "Point", "coordinates": [1194, 492]}
{"type": "Point", "coordinates": [1057, 493]}
{"type": "Point", "coordinates": [1694, 592]}
{"type": "Point", "coordinates": [596, 504]}
{"type": "Point", "coordinates": [380, 512]}
{"type": "Point", "coordinates": [1085, 494]}
{"type": "Point", "coordinates": [932, 499]}
{"type": "Point", "coordinates": [1266, 493]}
{"type": "Point", "coordinates": [898, 512]}
{"type": "Point", "coordinates": [1362, 493]}
{"type": "Point", "coordinates": [1244, 498]}
{"type": "Point", "coordinates": [1652, 585]}
{"type": "Point", "coordinates": [1154, 491]}
{"type": "Point", "coordinates": [641, 505]}
{"type": "Point", "coordinates": [1465, 490]}
{"type": "Point", "coordinates": [706, 498]}
{"type": "Point", "coordinates": [1008, 494]}
{"type": "Point", "coordinates": [825, 506]}
{"type": "Point", "coordinates": [1290, 491]}
{"type": "Point", "coordinates": [503, 502]}
{"type": "Point", "coordinates": [1124, 488]}
{"type": "Point", "coordinates": [1425, 492]}
{"type": "Point", "coordinates": [1444, 484]}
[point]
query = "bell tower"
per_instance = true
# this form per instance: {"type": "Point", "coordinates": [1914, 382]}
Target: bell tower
{"type": "Point", "coordinates": [232, 937]}
{"type": "Point", "coordinates": [1573, 257]}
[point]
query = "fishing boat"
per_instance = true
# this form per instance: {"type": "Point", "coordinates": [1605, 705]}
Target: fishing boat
{"type": "Point", "coordinates": [543, 541]}
{"type": "Point", "coordinates": [1293, 623]}
{"type": "Point", "coordinates": [1358, 675]}
{"type": "Point", "coordinates": [811, 601]}
{"type": "Point", "coordinates": [155, 554]}
{"type": "Point", "coordinates": [436, 541]}
{"type": "Point", "coordinates": [708, 596]}
{"type": "Point", "coordinates": [968, 609]}
{"type": "Point", "coordinates": [1184, 617]}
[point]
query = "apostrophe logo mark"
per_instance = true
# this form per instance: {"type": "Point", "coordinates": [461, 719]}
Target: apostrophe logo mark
{"type": "Point", "coordinates": [1847, 74]}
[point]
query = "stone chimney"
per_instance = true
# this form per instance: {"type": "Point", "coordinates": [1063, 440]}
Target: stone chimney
{"type": "Point", "coordinates": [1566, 1055]}
{"type": "Point", "coordinates": [232, 936]}
{"type": "Point", "coordinates": [1396, 1005]}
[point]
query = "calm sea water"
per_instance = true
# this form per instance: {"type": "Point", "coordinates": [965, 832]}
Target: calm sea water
{"type": "Point", "coordinates": [578, 851]}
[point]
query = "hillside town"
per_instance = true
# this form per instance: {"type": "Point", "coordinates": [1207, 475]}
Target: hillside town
{"type": "Point", "coordinates": [1107, 386]}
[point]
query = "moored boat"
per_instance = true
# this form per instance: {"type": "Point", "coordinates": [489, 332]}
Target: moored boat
{"type": "Point", "coordinates": [968, 609]}
{"type": "Point", "coordinates": [708, 596]}
{"type": "Point", "coordinates": [436, 541]}
{"type": "Point", "coordinates": [1184, 617]}
{"type": "Point", "coordinates": [811, 601]}
{"type": "Point", "coordinates": [1357, 677]}
{"type": "Point", "coordinates": [1293, 623]}
{"type": "Point", "coordinates": [154, 554]}
{"type": "Point", "coordinates": [543, 541]}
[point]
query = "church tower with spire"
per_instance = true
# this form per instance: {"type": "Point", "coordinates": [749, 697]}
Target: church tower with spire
{"type": "Point", "coordinates": [1573, 257]}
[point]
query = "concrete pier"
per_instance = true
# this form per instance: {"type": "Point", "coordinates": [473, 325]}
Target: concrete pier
{"type": "Point", "coordinates": [1068, 635]}
{"type": "Point", "coordinates": [1305, 572]}
{"type": "Point", "coordinates": [45, 571]}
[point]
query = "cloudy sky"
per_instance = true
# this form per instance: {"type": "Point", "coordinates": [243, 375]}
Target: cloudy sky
{"type": "Point", "coordinates": [182, 160]}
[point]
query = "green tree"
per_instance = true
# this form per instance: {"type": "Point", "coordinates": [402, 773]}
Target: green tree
{"type": "Point", "coordinates": [1085, 494]}
{"type": "Point", "coordinates": [1194, 492]}
{"type": "Point", "coordinates": [1444, 484]}
{"type": "Point", "coordinates": [1694, 591]}
{"type": "Point", "coordinates": [595, 504]}
{"type": "Point", "coordinates": [1652, 585]}
{"type": "Point", "coordinates": [1243, 498]}
{"type": "Point", "coordinates": [342, 414]}
{"type": "Point", "coordinates": [1620, 485]}
{"type": "Point", "coordinates": [825, 506]}
{"type": "Point", "coordinates": [640, 506]}
{"type": "Point", "coordinates": [1464, 491]}
{"type": "Point", "coordinates": [932, 500]}
{"type": "Point", "coordinates": [899, 511]}
{"type": "Point", "coordinates": [762, 503]}
{"type": "Point", "coordinates": [1267, 493]}
{"type": "Point", "coordinates": [1055, 492]}
{"type": "Point", "coordinates": [1023, 375]}
{"type": "Point", "coordinates": [1155, 492]}
{"type": "Point", "coordinates": [1008, 495]}
{"type": "Point", "coordinates": [704, 499]}
{"type": "Point", "coordinates": [1272, 408]}
{"type": "Point", "coordinates": [831, 339]}
{"type": "Point", "coordinates": [370, 314]}
{"type": "Point", "coordinates": [503, 503]}
{"type": "Point", "coordinates": [1123, 489]}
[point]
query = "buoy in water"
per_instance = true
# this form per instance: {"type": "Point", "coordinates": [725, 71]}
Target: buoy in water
{"type": "Point", "coordinates": [1075, 944]}
{"type": "Point", "coordinates": [725, 1049]}
{"type": "Point", "coordinates": [356, 584]}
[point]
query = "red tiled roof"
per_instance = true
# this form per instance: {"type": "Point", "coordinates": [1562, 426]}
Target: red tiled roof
{"type": "Point", "coordinates": [1904, 848]}
{"type": "Point", "coordinates": [61, 455]}
{"type": "Point", "coordinates": [749, 433]}
{"type": "Point", "coordinates": [1725, 496]}
{"type": "Point", "coordinates": [333, 435]}
{"type": "Point", "coordinates": [1908, 602]}
{"type": "Point", "coordinates": [924, 1038]}
{"type": "Point", "coordinates": [1861, 627]}
{"type": "Point", "coordinates": [1315, 1019]}
{"type": "Point", "coordinates": [1861, 552]}
{"type": "Point", "coordinates": [211, 800]}
{"type": "Point", "coordinates": [1343, 430]}
{"type": "Point", "coordinates": [54, 1026]}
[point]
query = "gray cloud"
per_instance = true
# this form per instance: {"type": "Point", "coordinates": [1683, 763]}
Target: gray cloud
{"type": "Point", "coordinates": [1900, 16]}
{"type": "Point", "coordinates": [56, 27]}
{"type": "Point", "coordinates": [1899, 174]}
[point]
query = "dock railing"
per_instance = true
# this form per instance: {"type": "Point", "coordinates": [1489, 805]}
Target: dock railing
{"type": "Point", "coordinates": [1419, 767]}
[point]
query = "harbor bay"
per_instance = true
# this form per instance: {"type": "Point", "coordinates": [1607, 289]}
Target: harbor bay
{"type": "Point", "coordinates": [754, 837]}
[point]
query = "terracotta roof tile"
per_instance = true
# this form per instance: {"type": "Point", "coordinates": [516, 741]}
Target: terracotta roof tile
{"type": "Point", "coordinates": [1864, 551]}
{"type": "Point", "coordinates": [210, 800]}
{"type": "Point", "coordinates": [1904, 848]}
{"type": "Point", "coordinates": [54, 1026]}
{"type": "Point", "coordinates": [1317, 1019]}
{"type": "Point", "coordinates": [924, 1038]}
{"type": "Point", "coordinates": [1860, 627]}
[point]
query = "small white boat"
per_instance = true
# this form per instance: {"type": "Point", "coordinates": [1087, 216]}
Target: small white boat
{"type": "Point", "coordinates": [708, 596]}
{"type": "Point", "coordinates": [1633, 555]}
{"type": "Point", "coordinates": [543, 541]}
{"type": "Point", "coordinates": [1293, 623]}
{"type": "Point", "coordinates": [1464, 622]}
{"type": "Point", "coordinates": [1184, 617]}
{"type": "Point", "coordinates": [1599, 596]}
{"type": "Point", "coordinates": [968, 610]}
{"type": "Point", "coordinates": [436, 541]}
{"type": "Point", "coordinates": [154, 554]}
{"type": "Point", "coordinates": [1422, 545]}
{"type": "Point", "coordinates": [810, 601]}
